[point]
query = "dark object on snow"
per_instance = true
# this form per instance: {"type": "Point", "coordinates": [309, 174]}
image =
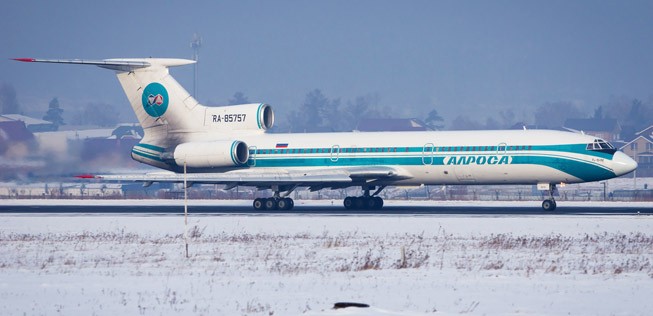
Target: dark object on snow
{"type": "Point", "coordinates": [340, 305]}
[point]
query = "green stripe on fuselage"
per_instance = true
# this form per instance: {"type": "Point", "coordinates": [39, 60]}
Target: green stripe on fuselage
{"type": "Point", "coordinates": [150, 147]}
{"type": "Point", "coordinates": [583, 169]}
{"type": "Point", "coordinates": [146, 155]}
{"type": "Point", "coordinates": [448, 150]}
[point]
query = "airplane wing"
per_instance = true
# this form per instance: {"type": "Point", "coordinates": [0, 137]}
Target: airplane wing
{"type": "Point", "coordinates": [315, 179]}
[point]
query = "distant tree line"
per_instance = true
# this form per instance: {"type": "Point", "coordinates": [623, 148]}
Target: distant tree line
{"type": "Point", "coordinates": [318, 112]}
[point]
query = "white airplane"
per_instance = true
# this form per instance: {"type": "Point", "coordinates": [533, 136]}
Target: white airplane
{"type": "Point", "coordinates": [229, 145]}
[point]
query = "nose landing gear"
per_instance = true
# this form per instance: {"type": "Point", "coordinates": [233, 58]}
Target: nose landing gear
{"type": "Point", "coordinates": [550, 203]}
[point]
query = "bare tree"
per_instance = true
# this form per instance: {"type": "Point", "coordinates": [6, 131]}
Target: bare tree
{"type": "Point", "coordinates": [316, 113]}
{"type": "Point", "coordinates": [238, 98]}
{"type": "Point", "coordinates": [54, 113]}
{"type": "Point", "coordinates": [554, 114]}
{"type": "Point", "coordinates": [434, 121]}
{"type": "Point", "coordinates": [99, 114]}
{"type": "Point", "coordinates": [462, 122]}
{"type": "Point", "coordinates": [8, 102]}
{"type": "Point", "coordinates": [507, 118]}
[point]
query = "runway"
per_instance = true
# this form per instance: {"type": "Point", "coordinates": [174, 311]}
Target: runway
{"type": "Point", "coordinates": [322, 208]}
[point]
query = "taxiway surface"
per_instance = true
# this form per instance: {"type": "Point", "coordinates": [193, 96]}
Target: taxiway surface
{"type": "Point", "coordinates": [174, 208]}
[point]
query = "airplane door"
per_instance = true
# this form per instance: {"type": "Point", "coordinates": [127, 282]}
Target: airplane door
{"type": "Point", "coordinates": [427, 154]}
{"type": "Point", "coordinates": [335, 153]}
{"type": "Point", "coordinates": [252, 156]}
{"type": "Point", "coordinates": [501, 149]}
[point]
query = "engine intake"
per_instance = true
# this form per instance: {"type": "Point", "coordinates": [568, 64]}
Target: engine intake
{"type": "Point", "coordinates": [212, 154]}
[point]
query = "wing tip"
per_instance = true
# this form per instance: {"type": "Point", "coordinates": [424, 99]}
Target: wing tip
{"type": "Point", "coordinates": [86, 176]}
{"type": "Point", "coordinates": [25, 60]}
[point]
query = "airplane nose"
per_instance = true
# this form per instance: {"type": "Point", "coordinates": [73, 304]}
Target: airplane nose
{"type": "Point", "coordinates": [623, 164]}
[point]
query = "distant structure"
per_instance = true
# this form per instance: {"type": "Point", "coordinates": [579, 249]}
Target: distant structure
{"type": "Point", "coordinates": [641, 150]}
{"type": "Point", "coordinates": [195, 44]}
{"type": "Point", "coordinates": [12, 132]}
{"type": "Point", "coordinates": [34, 125]}
{"type": "Point", "coordinates": [608, 129]}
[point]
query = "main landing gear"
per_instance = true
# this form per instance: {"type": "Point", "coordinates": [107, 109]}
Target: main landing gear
{"type": "Point", "coordinates": [272, 203]}
{"type": "Point", "coordinates": [550, 203]}
{"type": "Point", "coordinates": [365, 202]}
{"type": "Point", "coordinates": [277, 202]}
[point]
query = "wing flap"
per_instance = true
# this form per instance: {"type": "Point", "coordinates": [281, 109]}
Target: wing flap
{"type": "Point", "coordinates": [250, 178]}
{"type": "Point", "coordinates": [314, 178]}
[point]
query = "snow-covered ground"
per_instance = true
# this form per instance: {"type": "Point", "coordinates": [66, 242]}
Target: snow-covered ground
{"type": "Point", "coordinates": [294, 265]}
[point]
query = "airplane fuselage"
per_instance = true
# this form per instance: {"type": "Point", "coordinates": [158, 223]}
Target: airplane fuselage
{"type": "Point", "coordinates": [452, 157]}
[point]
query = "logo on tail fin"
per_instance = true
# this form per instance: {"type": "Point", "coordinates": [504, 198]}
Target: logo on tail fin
{"type": "Point", "coordinates": [155, 99]}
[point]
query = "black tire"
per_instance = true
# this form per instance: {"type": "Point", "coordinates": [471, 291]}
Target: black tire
{"type": "Point", "coordinates": [379, 203]}
{"type": "Point", "coordinates": [271, 204]}
{"type": "Point", "coordinates": [549, 205]}
{"type": "Point", "coordinates": [259, 204]}
{"type": "Point", "coordinates": [282, 204]}
{"type": "Point", "coordinates": [359, 203]}
{"type": "Point", "coordinates": [285, 204]}
{"type": "Point", "coordinates": [370, 203]}
{"type": "Point", "coordinates": [348, 202]}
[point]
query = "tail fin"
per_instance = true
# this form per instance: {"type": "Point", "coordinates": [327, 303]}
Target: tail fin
{"type": "Point", "coordinates": [161, 104]}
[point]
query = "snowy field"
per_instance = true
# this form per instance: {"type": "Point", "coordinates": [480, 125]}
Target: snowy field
{"type": "Point", "coordinates": [302, 265]}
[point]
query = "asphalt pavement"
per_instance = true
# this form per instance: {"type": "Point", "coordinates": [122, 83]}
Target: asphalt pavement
{"type": "Point", "coordinates": [336, 210]}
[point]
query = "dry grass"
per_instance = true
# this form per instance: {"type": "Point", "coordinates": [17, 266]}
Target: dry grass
{"type": "Point", "coordinates": [306, 253]}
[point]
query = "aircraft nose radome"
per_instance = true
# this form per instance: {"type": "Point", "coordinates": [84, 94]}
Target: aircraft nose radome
{"type": "Point", "coordinates": [623, 164]}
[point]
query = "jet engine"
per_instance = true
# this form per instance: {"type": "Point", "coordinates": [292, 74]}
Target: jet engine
{"type": "Point", "coordinates": [257, 116]}
{"type": "Point", "coordinates": [211, 154]}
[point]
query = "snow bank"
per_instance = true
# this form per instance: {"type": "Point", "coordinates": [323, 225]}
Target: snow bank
{"type": "Point", "coordinates": [293, 265]}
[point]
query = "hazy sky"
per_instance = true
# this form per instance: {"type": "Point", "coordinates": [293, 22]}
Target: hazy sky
{"type": "Point", "coordinates": [456, 56]}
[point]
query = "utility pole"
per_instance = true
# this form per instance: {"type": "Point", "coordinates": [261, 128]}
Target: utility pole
{"type": "Point", "coordinates": [195, 44]}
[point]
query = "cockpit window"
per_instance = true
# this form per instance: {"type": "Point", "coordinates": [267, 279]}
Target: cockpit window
{"type": "Point", "coordinates": [602, 146]}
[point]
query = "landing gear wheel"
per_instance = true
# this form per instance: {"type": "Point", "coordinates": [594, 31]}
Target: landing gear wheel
{"type": "Point", "coordinates": [349, 202]}
{"type": "Point", "coordinates": [271, 204]}
{"type": "Point", "coordinates": [370, 203]}
{"type": "Point", "coordinates": [363, 203]}
{"type": "Point", "coordinates": [259, 204]}
{"type": "Point", "coordinates": [285, 204]}
{"type": "Point", "coordinates": [549, 205]}
{"type": "Point", "coordinates": [378, 202]}
{"type": "Point", "coordinates": [359, 202]}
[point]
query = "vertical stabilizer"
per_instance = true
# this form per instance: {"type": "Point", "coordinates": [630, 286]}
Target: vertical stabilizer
{"type": "Point", "coordinates": [163, 107]}
{"type": "Point", "coordinates": [161, 104]}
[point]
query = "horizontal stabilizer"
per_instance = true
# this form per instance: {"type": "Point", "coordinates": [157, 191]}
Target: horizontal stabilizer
{"type": "Point", "coordinates": [118, 64]}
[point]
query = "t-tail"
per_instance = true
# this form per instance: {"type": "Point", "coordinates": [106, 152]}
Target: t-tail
{"type": "Point", "coordinates": [169, 115]}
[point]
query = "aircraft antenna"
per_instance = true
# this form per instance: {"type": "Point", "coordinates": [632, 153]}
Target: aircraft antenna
{"type": "Point", "coordinates": [195, 44]}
